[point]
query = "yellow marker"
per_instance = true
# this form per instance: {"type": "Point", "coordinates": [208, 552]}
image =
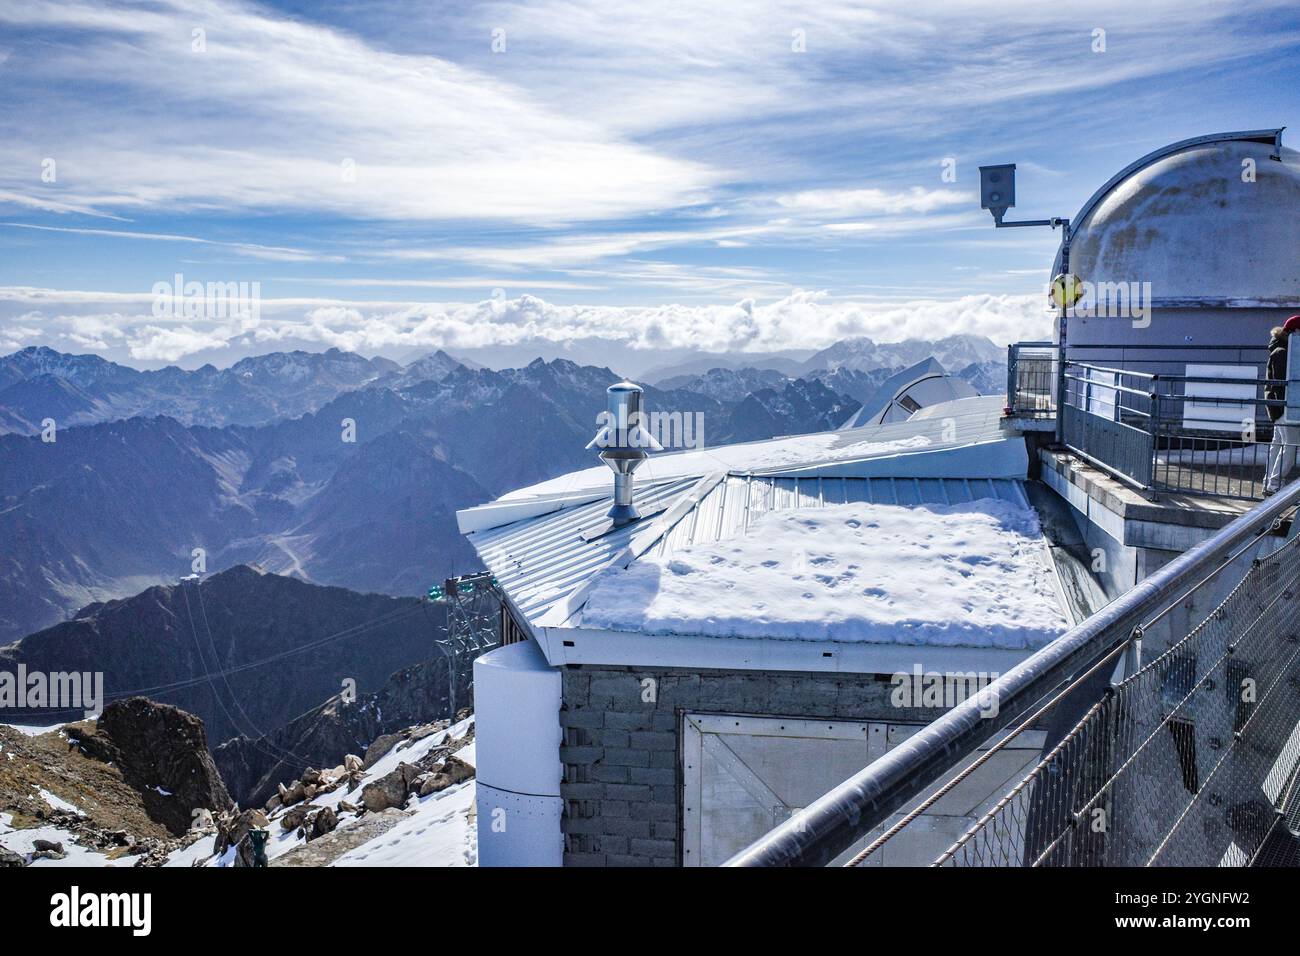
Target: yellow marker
{"type": "Point", "coordinates": [1067, 289]}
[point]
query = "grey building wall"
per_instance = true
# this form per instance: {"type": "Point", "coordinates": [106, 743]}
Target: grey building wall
{"type": "Point", "coordinates": [622, 730]}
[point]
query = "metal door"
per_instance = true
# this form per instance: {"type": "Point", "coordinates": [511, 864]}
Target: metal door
{"type": "Point", "coordinates": [744, 775]}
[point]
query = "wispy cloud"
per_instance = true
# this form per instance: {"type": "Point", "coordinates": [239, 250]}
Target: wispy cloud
{"type": "Point", "coordinates": [859, 202]}
{"type": "Point", "coordinates": [599, 151]}
{"type": "Point", "coordinates": [277, 113]}
{"type": "Point", "coordinates": [274, 253]}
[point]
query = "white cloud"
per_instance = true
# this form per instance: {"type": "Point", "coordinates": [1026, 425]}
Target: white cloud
{"type": "Point", "coordinates": [799, 319]}
{"type": "Point", "coordinates": [154, 344]}
{"type": "Point", "coordinates": [598, 110]}
{"type": "Point", "coordinates": [274, 253]}
{"type": "Point", "coordinates": [268, 113]}
{"type": "Point", "coordinates": [865, 202]}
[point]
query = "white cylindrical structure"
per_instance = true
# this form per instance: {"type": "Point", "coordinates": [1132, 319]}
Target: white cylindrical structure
{"type": "Point", "coordinates": [517, 753]}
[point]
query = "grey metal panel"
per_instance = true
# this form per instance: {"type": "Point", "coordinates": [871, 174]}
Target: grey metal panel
{"type": "Point", "coordinates": [540, 560]}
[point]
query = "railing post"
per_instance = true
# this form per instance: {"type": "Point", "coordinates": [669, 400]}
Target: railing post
{"type": "Point", "coordinates": [1060, 381]}
{"type": "Point", "coordinates": [1153, 428]}
{"type": "Point", "coordinates": [1012, 355]}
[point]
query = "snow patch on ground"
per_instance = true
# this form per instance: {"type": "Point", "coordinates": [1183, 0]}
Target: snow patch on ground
{"type": "Point", "coordinates": [970, 575]}
{"type": "Point", "coordinates": [436, 830]}
{"type": "Point", "coordinates": [439, 832]}
{"type": "Point", "coordinates": [58, 803]}
{"type": "Point", "coordinates": [23, 842]}
{"type": "Point", "coordinates": [32, 730]}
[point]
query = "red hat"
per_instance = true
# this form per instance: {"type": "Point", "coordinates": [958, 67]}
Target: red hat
{"type": "Point", "coordinates": [1292, 324]}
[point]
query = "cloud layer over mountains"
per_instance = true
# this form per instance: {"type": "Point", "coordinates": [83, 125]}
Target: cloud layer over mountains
{"type": "Point", "coordinates": [124, 327]}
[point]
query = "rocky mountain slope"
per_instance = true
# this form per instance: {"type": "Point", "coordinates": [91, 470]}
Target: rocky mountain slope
{"type": "Point", "coordinates": [795, 407]}
{"type": "Point", "coordinates": [253, 767]}
{"type": "Point", "coordinates": [125, 789]}
{"type": "Point", "coordinates": [245, 651]}
{"type": "Point", "coordinates": [409, 801]}
{"type": "Point", "coordinates": [954, 351]}
{"type": "Point", "coordinates": [727, 384]}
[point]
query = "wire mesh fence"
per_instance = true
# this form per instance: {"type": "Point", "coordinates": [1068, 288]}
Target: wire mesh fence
{"type": "Point", "coordinates": [1191, 761]}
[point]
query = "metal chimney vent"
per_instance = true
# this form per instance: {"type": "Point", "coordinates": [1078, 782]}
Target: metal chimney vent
{"type": "Point", "coordinates": [624, 442]}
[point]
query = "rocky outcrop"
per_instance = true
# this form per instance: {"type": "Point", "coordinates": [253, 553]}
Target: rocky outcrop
{"type": "Point", "coordinates": [10, 859]}
{"type": "Point", "coordinates": [322, 822]}
{"type": "Point", "coordinates": [328, 733]}
{"type": "Point", "coordinates": [162, 752]}
{"type": "Point", "coordinates": [435, 771]}
{"type": "Point", "coordinates": [453, 771]}
{"type": "Point", "coordinates": [232, 832]}
{"type": "Point", "coordinates": [390, 790]}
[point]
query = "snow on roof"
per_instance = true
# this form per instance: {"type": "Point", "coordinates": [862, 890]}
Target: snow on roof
{"type": "Point", "coordinates": [950, 466]}
{"type": "Point", "coordinates": [973, 574]}
{"type": "Point", "coordinates": [969, 420]}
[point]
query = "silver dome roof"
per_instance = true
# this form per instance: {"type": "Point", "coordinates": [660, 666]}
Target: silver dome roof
{"type": "Point", "coordinates": [1186, 220]}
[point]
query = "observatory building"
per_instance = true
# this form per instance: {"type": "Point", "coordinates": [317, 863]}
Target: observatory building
{"type": "Point", "coordinates": [765, 651]}
{"type": "Point", "coordinates": [1194, 245]}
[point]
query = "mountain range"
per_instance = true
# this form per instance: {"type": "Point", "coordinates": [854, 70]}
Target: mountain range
{"type": "Point", "coordinates": [39, 383]}
{"type": "Point", "coordinates": [330, 467]}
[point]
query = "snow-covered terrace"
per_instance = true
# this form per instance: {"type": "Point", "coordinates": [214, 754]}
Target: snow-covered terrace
{"type": "Point", "coordinates": [858, 550]}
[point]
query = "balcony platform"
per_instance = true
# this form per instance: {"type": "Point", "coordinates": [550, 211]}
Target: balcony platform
{"type": "Point", "coordinates": [1022, 424]}
{"type": "Point", "coordinates": [1172, 522]}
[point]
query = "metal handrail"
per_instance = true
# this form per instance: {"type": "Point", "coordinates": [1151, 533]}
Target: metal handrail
{"type": "Point", "coordinates": [1107, 368]}
{"type": "Point", "coordinates": [1126, 389]}
{"type": "Point", "coordinates": [820, 832]}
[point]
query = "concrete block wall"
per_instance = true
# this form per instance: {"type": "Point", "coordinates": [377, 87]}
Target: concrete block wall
{"type": "Point", "coordinates": [621, 788]}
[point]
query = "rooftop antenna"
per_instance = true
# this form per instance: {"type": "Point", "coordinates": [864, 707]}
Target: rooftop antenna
{"type": "Point", "coordinates": [997, 195]}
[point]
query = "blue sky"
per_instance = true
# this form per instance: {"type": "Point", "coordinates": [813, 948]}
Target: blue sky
{"type": "Point", "coordinates": [399, 176]}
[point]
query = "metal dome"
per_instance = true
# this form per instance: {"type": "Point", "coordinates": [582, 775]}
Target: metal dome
{"type": "Point", "coordinates": [1184, 219]}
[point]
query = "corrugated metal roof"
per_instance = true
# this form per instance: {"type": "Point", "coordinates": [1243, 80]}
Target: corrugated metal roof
{"type": "Point", "coordinates": [937, 428]}
{"type": "Point", "coordinates": [543, 560]}
{"type": "Point", "coordinates": [540, 560]}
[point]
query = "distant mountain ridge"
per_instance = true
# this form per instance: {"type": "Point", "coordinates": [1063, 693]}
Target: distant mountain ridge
{"type": "Point", "coordinates": [863, 354]}
{"type": "Point", "coordinates": [39, 383]}
{"type": "Point", "coordinates": [112, 507]}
